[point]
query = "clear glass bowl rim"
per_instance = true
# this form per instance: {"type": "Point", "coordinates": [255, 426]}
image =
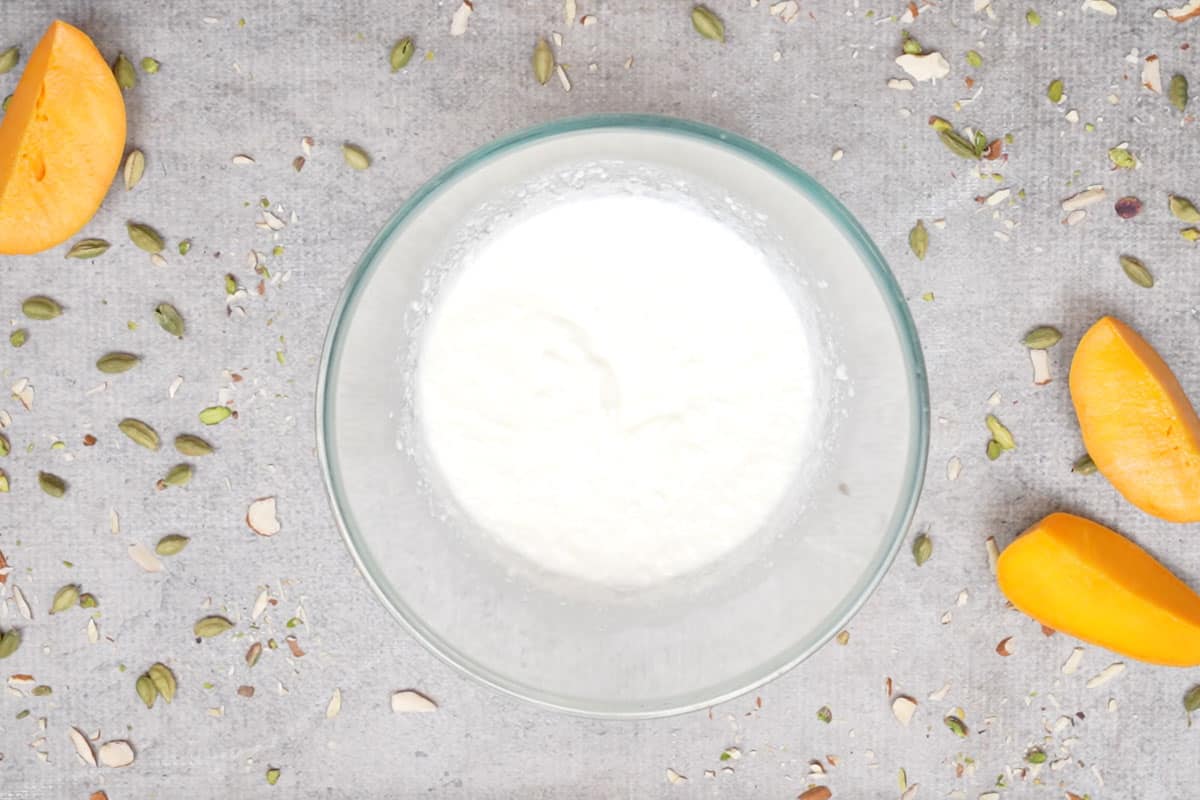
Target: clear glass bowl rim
{"type": "Point", "coordinates": [871, 257]}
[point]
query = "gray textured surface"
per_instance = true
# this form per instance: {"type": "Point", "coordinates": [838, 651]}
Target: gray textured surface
{"type": "Point", "coordinates": [315, 69]}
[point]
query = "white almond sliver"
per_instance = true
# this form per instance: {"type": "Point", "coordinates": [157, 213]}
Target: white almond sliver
{"type": "Point", "coordinates": [83, 748]}
{"type": "Point", "coordinates": [335, 704]}
{"type": "Point", "coordinates": [1041, 367]}
{"type": "Point", "coordinates": [458, 23]}
{"type": "Point", "coordinates": [261, 517]}
{"type": "Point", "coordinates": [1092, 194]}
{"type": "Point", "coordinates": [1105, 675]}
{"type": "Point", "coordinates": [117, 753]}
{"type": "Point", "coordinates": [1070, 666]}
{"type": "Point", "coordinates": [674, 777]}
{"type": "Point", "coordinates": [409, 701]}
{"type": "Point", "coordinates": [1152, 74]}
{"type": "Point", "coordinates": [22, 605]}
{"type": "Point", "coordinates": [145, 558]}
{"type": "Point", "coordinates": [927, 67]}
{"type": "Point", "coordinates": [904, 708]}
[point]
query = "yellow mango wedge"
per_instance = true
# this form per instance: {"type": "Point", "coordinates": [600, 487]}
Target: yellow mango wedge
{"type": "Point", "coordinates": [1085, 580]}
{"type": "Point", "coordinates": [1137, 423]}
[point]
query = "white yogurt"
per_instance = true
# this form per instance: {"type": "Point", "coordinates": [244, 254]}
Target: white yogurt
{"type": "Point", "coordinates": [618, 389]}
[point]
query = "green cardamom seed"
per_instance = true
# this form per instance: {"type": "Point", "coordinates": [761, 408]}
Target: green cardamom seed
{"type": "Point", "coordinates": [209, 627]}
{"type": "Point", "coordinates": [918, 240]}
{"type": "Point", "coordinates": [65, 598]}
{"type": "Point", "coordinates": [116, 363]}
{"type": "Point", "coordinates": [922, 549]}
{"type": "Point", "coordinates": [909, 45]}
{"type": "Point", "coordinates": [1033, 18]}
{"type": "Point", "coordinates": [1000, 434]}
{"type": "Point", "coordinates": [1182, 209]}
{"type": "Point", "coordinates": [10, 641]}
{"type": "Point", "coordinates": [957, 143]}
{"type": "Point", "coordinates": [956, 726]}
{"type": "Point", "coordinates": [543, 61]}
{"type": "Point", "coordinates": [135, 167]}
{"type": "Point", "coordinates": [150, 65]}
{"type": "Point", "coordinates": [52, 484]}
{"type": "Point", "coordinates": [1084, 465]}
{"type": "Point", "coordinates": [1122, 158]}
{"type": "Point", "coordinates": [1190, 234]}
{"type": "Point", "coordinates": [139, 432]}
{"type": "Point", "coordinates": [401, 54]}
{"type": "Point", "coordinates": [145, 690]}
{"type": "Point", "coordinates": [1042, 338]}
{"type": "Point", "coordinates": [169, 319]}
{"type": "Point", "coordinates": [88, 248]}
{"type": "Point", "coordinates": [41, 307]}
{"type": "Point", "coordinates": [184, 246]}
{"type": "Point", "coordinates": [9, 59]}
{"type": "Point", "coordinates": [88, 600]}
{"type": "Point", "coordinates": [164, 680]}
{"type": "Point", "coordinates": [124, 73]}
{"type": "Point", "coordinates": [1177, 91]}
{"type": "Point", "coordinates": [1191, 699]}
{"type": "Point", "coordinates": [1036, 756]}
{"type": "Point", "coordinates": [178, 475]}
{"type": "Point", "coordinates": [215, 414]}
{"type": "Point", "coordinates": [1055, 91]}
{"type": "Point", "coordinates": [190, 445]}
{"type": "Point", "coordinates": [145, 237]}
{"type": "Point", "coordinates": [5, 445]}
{"type": "Point", "coordinates": [355, 156]}
{"type": "Point", "coordinates": [974, 59]}
{"type": "Point", "coordinates": [825, 715]}
{"type": "Point", "coordinates": [6, 101]}
{"type": "Point", "coordinates": [3, 481]}
{"type": "Point", "coordinates": [42, 691]}
{"type": "Point", "coordinates": [172, 544]}
{"type": "Point", "coordinates": [993, 450]}
{"type": "Point", "coordinates": [273, 774]}
{"type": "Point", "coordinates": [708, 24]}
{"type": "Point", "coordinates": [231, 286]}
{"type": "Point", "coordinates": [1137, 272]}
{"type": "Point", "coordinates": [18, 337]}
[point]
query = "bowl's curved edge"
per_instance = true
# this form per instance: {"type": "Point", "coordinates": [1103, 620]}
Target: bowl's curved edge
{"type": "Point", "coordinates": [885, 280]}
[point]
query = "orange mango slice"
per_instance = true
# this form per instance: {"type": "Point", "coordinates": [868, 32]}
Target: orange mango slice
{"type": "Point", "coordinates": [1137, 423]}
{"type": "Point", "coordinates": [61, 142]}
{"type": "Point", "coordinates": [1081, 578]}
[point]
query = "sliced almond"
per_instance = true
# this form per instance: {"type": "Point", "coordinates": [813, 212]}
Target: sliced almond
{"type": "Point", "coordinates": [335, 704]}
{"type": "Point", "coordinates": [1005, 647]}
{"type": "Point", "coordinates": [993, 553]}
{"type": "Point", "coordinates": [144, 557]}
{"type": "Point", "coordinates": [83, 748]}
{"type": "Point", "coordinates": [674, 777]}
{"type": "Point", "coordinates": [926, 67]}
{"type": "Point", "coordinates": [261, 517]}
{"type": "Point", "coordinates": [462, 14]}
{"type": "Point", "coordinates": [1105, 675]}
{"type": "Point", "coordinates": [816, 793]}
{"type": "Point", "coordinates": [1152, 74]}
{"type": "Point", "coordinates": [1092, 194]}
{"type": "Point", "coordinates": [22, 603]}
{"type": "Point", "coordinates": [904, 707]}
{"type": "Point", "coordinates": [1041, 367]}
{"type": "Point", "coordinates": [117, 753]}
{"type": "Point", "coordinates": [410, 701]}
{"type": "Point", "coordinates": [1073, 661]}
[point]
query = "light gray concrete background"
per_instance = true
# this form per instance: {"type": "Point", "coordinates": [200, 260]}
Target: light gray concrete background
{"type": "Point", "coordinates": [804, 89]}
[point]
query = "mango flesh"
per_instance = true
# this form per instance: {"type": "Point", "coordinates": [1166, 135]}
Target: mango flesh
{"type": "Point", "coordinates": [1081, 578]}
{"type": "Point", "coordinates": [1136, 421]}
{"type": "Point", "coordinates": [61, 142]}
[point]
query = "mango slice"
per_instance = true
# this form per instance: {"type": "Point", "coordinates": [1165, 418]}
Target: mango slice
{"type": "Point", "coordinates": [61, 142]}
{"type": "Point", "coordinates": [1137, 423]}
{"type": "Point", "coordinates": [1081, 578]}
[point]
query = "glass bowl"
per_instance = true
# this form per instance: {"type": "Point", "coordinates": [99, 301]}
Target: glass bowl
{"type": "Point", "coordinates": [692, 641]}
